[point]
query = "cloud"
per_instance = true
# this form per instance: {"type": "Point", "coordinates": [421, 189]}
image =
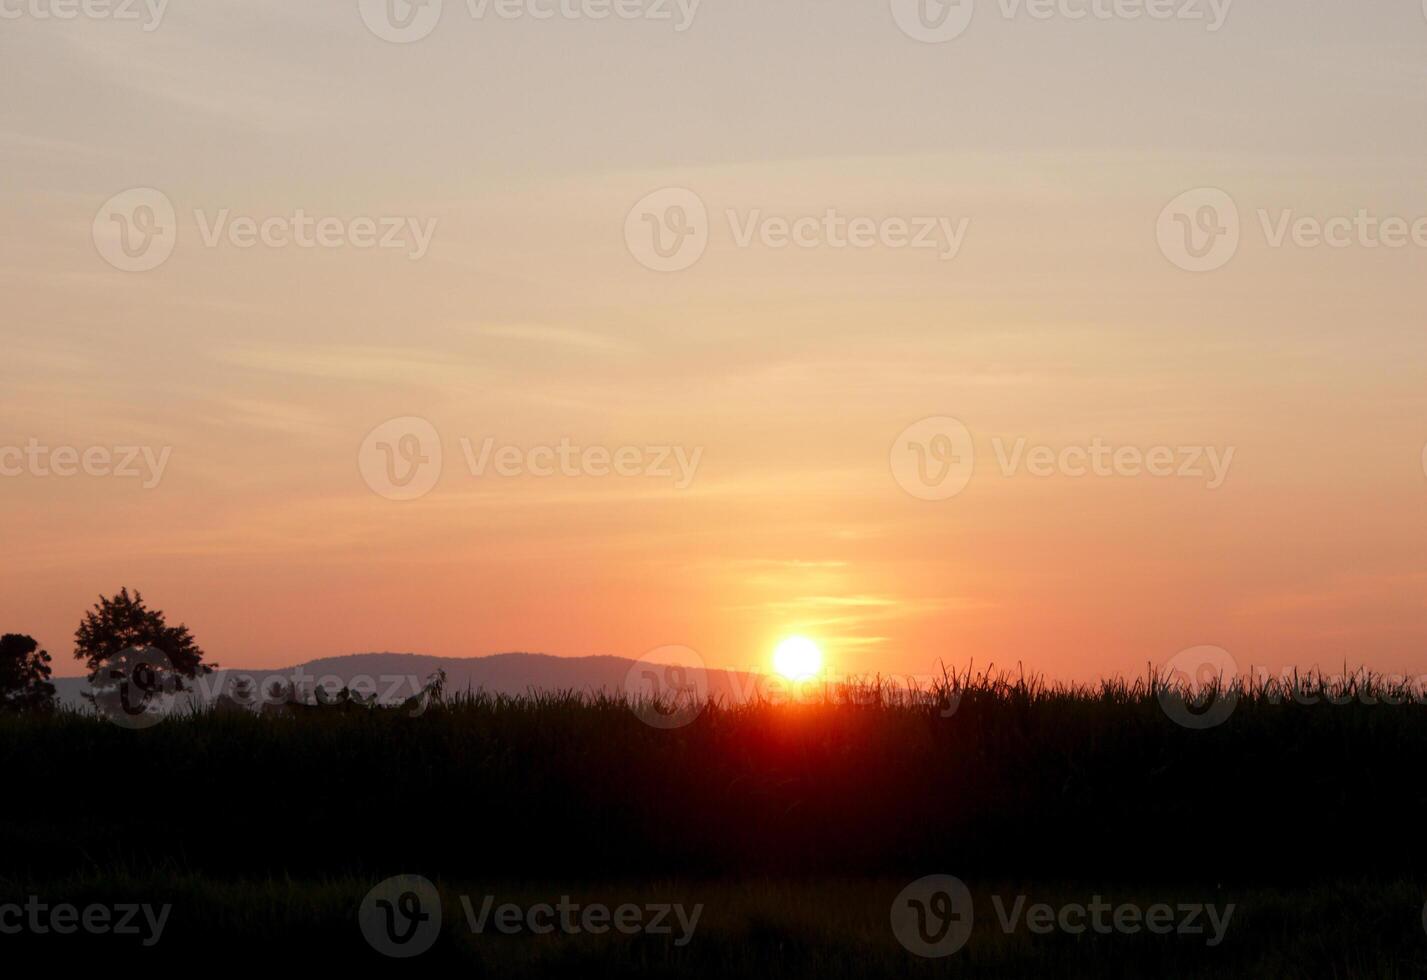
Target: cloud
{"type": "Point", "coordinates": [554, 336]}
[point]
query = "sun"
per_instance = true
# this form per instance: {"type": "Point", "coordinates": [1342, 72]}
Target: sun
{"type": "Point", "coordinates": [797, 658]}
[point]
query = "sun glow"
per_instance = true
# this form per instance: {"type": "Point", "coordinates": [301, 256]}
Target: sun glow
{"type": "Point", "coordinates": [798, 658]}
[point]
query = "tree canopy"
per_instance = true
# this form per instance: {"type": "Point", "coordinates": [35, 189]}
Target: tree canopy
{"type": "Point", "coordinates": [123, 623]}
{"type": "Point", "coordinates": [24, 674]}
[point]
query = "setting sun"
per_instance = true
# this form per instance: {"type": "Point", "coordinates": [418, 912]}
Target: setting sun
{"type": "Point", "coordinates": [798, 658]}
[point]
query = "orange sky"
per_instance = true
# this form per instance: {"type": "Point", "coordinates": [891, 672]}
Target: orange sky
{"type": "Point", "coordinates": [791, 372]}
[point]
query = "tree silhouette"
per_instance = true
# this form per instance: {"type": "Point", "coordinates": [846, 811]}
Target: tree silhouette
{"type": "Point", "coordinates": [24, 675]}
{"type": "Point", "coordinates": [124, 623]}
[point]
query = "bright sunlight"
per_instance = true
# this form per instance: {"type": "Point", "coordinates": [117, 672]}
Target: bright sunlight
{"type": "Point", "coordinates": [797, 658]}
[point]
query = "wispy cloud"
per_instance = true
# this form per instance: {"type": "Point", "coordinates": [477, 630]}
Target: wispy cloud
{"type": "Point", "coordinates": [555, 336]}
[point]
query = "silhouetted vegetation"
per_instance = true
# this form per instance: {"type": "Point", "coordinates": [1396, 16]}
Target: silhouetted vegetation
{"type": "Point", "coordinates": [117, 626]}
{"type": "Point", "coordinates": [24, 675]}
{"type": "Point", "coordinates": [1021, 778]}
{"type": "Point", "coordinates": [796, 822]}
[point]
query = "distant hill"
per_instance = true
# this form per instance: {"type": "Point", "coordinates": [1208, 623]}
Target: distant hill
{"type": "Point", "coordinates": [395, 676]}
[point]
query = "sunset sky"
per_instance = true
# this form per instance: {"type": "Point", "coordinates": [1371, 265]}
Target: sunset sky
{"type": "Point", "coordinates": [1060, 322]}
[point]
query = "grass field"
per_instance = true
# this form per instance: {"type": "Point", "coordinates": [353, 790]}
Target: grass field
{"type": "Point", "coordinates": [795, 826]}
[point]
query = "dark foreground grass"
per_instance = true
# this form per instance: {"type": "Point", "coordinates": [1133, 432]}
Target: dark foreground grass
{"type": "Point", "coordinates": [1018, 779]}
{"type": "Point", "coordinates": [795, 824]}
